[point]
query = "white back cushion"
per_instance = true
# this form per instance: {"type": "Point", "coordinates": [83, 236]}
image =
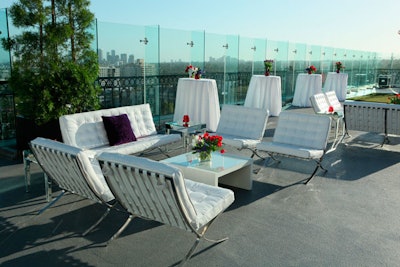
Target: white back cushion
{"type": "Point", "coordinates": [319, 103]}
{"type": "Point", "coordinates": [307, 130]}
{"type": "Point", "coordinates": [333, 101]}
{"type": "Point", "coordinates": [86, 129]}
{"type": "Point", "coordinates": [243, 121]}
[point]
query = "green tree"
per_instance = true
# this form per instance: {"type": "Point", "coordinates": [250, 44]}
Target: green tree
{"type": "Point", "coordinates": [54, 68]}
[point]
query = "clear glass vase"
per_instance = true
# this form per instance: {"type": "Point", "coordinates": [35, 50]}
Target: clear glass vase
{"type": "Point", "coordinates": [205, 156]}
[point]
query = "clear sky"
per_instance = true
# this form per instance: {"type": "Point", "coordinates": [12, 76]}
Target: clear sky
{"type": "Point", "coordinates": [369, 25]}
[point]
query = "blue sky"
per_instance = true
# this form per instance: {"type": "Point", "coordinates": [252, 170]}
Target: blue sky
{"type": "Point", "coordinates": [369, 25]}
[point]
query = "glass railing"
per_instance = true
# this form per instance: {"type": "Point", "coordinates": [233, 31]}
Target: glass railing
{"type": "Point", "coordinates": [142, 64]}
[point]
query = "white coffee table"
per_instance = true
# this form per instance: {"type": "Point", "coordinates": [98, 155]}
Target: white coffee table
{"type": "Point", "coordinates": [225, 168]}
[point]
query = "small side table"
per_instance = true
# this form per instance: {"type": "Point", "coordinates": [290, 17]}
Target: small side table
{"type": "Point", "coordinates": [29, 158]}
{"type": "Point", "coordinates": [186, 132]}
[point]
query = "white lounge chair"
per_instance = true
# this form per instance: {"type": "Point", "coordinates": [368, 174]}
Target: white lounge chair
{"type": "Point", "coordinates": [158, 191]}
{"type": "Point", "coordinates": [299, 135]}
{"type": "Point", "coordinates": [333, 101]}
{"type": "Point", "coordinates": [242, 127]}
{"type": "Point", "coordinates": [321, 103]}
{"type": "Point", "coordinates": [71, 169]}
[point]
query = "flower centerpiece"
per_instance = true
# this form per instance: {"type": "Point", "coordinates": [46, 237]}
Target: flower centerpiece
{"type": "Point", "coordinates": [394, 99]}
{"type": "Point", "coordinates": [311, 69]}
{"type": "Point", "coordinates": [339, 66]}
{"type": "Point", "coordinates": [268, 66]}
{"type": "Point", "coordinates": [194, 72]}
{"type": "Point", "coordinates": [206, 144]}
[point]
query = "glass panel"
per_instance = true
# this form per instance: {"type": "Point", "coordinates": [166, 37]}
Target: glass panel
{"type": "Point", "coordinates": [121, 59]}
{"type": "Point", "coordinates": [151, 82]}
{"type": "Point", "coordinates": [197, 49]}
{"type": "Point", "coordinates": [230, 94]}
{"type": "Point", "coordinates": [327, 59]}
{"type": "Point", "coordinates": [314, 57]}
{"type": "Point", "coordinates": [7, 105]}
{"type": "Point", "coordinates": [247, 52]}
{"type": "Point", "coordinates": [215, 60]}
{"type": "Point", "coordinates": [176, 50]}
{"type": "Point", "coordinates": [260, 55]}
{"type": "Point", "coordinates": [5, 68]}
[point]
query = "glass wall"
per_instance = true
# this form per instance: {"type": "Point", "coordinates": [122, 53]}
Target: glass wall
{"type": "Point", "coordinates": [7, 108]}
{"type": "Point", "coordinates": [142, 64]}
{"type": "Point", "coordinates": [4, 55]}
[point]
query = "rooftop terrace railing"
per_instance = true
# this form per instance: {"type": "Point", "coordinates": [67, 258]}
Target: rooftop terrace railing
{"type": "Point", "coordinates": [143, 64]}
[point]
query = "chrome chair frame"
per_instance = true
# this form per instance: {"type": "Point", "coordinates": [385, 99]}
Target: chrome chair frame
{"type": "Point", "coordinates": [61, 163]}
{"type": "Point", "coordinates": [146, 190]}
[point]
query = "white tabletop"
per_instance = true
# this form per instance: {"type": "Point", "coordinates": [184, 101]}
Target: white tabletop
{"type": "Point", "coordinates": [230, 169]}
{"type": "Point", "coordinates": [198, 99]}
{"type": "Point", "coordinates": [337, 82]}
{"type": "Point", "coordinates": [265, 92]}
{"type": "Point", "coordinates": [306, 86]}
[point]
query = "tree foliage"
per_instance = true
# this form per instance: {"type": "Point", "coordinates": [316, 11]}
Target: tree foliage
{"type": "Point", "coordinates": [54, 68]}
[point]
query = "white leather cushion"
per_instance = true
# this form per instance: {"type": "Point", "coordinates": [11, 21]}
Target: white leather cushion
{"type": "Point", "coordinates": [334, 101]}
{"type": "Point", "coordinates": [140, 145]}
{"type": "Point", "coordinates": [319, 103]}
{"type": "Point", "coordinates": [239, 142]}
{"type": "Point", "coordinates": [240, 121]}
{"type": "Point", "coordinates": [292, 150]}
{"type": "Point", "coordinates": [86, 130]}
{"type": "Point", "coordinates": [305, 130]}
{"type": "Point", "coordinates": [208, 201]}
{"type": "Point", "coordinates": [94, 176]}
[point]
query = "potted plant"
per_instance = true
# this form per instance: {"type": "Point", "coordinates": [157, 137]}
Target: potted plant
{"type": "Point", "coordinates": [54, 68]}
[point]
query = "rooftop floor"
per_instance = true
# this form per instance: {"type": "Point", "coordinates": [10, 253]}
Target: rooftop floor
{"type": "Point", "coordinates": [348, 216]}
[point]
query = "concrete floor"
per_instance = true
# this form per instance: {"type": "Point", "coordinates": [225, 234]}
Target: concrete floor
{"type": "Point", "coordinates": [348, 216]}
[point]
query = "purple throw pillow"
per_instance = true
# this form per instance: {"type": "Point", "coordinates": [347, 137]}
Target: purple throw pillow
{"type": "Point", "coordinates": [119, 130]}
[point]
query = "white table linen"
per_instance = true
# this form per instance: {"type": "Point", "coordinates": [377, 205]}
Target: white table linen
{"type": "Point", "coordinates": [198, 99]}
{"type": "Point", "coordinates": [265, 92]}
{"type": "Point", "coordinates": [306, 86]}
{"type": "Point", "coordinates": [337, 82]}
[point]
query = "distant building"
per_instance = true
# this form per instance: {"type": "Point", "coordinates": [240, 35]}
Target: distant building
{"type": "Point", "coordinates": [110, 71]}
{"type": "Point", "coordinates": [124, 58]}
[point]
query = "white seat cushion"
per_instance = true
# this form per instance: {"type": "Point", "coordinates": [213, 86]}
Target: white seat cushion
{"type": "Point", "coordinates": [239, 142]}
{"type": "Point", "coordinates": [208, 201]}
{"type": "Point", "coordinates": [292, 150]}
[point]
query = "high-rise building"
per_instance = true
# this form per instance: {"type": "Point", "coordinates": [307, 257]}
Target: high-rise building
{"type": "Point", "coordinates": [124, 58]}
{"type": "Point", "coordinates": [100, 55]}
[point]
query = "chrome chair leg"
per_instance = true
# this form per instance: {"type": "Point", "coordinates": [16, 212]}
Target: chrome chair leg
{"type": "Point", "coordinates": [200, 236]}
{"type": "Point", "coordinates": [51, 203]}
{"type": "Point", "coordinates": [97, 223]}
{"type": "Point", "coordinates": [116, 235]}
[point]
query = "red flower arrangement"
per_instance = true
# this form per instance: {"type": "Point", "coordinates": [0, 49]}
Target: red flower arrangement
{"type": "Point", "coordinates": [311, 69]}
{"type": "Point", "coordinates": [206, 143]}
{"type": "Point", "coordinates": [194, 72]}
{"type": "Point", "coordinates": [268, 66]}
{"type": "Point", "coordinates": [339, 66]}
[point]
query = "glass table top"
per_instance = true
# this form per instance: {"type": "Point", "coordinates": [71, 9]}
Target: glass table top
{"type": "Point", "coordinates": [219, 162]}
